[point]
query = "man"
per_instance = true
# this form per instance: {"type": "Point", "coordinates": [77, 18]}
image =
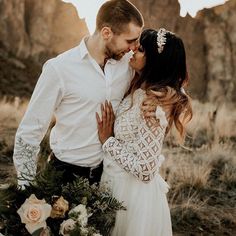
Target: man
{"type": "Point", "coordinates": [72, 86]}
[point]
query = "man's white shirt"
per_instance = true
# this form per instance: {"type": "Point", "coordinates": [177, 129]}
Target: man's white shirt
{"type": "Point", "coordinates": [71, 87]}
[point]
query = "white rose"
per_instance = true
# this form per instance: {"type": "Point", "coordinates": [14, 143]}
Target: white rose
{"type": "Point", "coordinates": [82, 215]}
{"type": "Point", "coordinates": [34, 213]}
{"type": "Point", "coordinates": [66, 227]}
{"type": "Point", "coordinates": [97, 235]}
{"type": "Point", "coordinates": [84, 231]}
{"type": "Point", "coordinates": [79, 209]}
{"type": "Point", "coordinates": [83, 219]}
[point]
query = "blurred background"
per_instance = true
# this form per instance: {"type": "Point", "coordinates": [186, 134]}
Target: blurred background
{"type": "Point", "coordinates": [202, 173]}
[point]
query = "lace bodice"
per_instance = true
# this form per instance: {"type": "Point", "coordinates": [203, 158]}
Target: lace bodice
{"type": "Point", "coordinates": [136, 146]}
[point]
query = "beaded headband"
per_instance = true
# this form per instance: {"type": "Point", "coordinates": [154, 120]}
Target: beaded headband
{"type": "Point", "coordinates": [161, 39]}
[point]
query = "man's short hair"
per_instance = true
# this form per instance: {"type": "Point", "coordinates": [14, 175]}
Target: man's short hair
{"type": "Point", "coordinates": [117, 14]}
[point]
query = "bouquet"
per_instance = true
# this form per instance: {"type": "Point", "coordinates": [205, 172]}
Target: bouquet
{"type": "Point", "coordinates": [46, 207]}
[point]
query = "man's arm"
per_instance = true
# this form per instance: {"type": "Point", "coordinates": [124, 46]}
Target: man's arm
{"type": "Point", "coordinates": [45, 99]}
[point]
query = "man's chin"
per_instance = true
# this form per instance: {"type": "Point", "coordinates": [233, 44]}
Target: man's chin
{"type": "Point", "coordinates": [117, 57]}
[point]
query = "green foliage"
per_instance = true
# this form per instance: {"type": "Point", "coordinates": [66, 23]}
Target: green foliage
{"type": "Point", "coordinates": [100, 205]}
{"type": "Point", "coordinates": [10, 200]}
{"type": "Point", "coordinates": [46, 184]}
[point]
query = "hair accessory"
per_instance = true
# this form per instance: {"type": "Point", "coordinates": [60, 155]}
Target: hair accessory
{"type": "Point", "coordinates": [161, 115]}
{"type": "Point", "coordinates": [182, 90]}
{"type": "Point", "coordinates": [161, 39]}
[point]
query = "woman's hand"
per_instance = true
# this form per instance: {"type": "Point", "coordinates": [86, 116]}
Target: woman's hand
{"type": "Point", "coordinates": [106, 122]}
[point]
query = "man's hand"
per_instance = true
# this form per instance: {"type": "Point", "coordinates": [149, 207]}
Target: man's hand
{"type": "Point", "coordinates": [149, 108]}
{"type": "Point", "coordinates": [106, 122]}
{"type": "Point", "coordinates": [153, 113]}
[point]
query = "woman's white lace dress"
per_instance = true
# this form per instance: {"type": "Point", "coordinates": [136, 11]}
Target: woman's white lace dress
{"type": "Point", "coordinates": [131, 170]}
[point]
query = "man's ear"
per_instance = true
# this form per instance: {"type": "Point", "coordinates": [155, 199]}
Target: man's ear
{"type": "Point", "coordinates": [106, 32]}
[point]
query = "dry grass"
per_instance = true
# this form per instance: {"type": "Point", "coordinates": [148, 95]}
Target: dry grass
{"type": "Point", "coordinates": [11, 113]}
{"type": "Point", "coordinates": [213, 123]}
{"type": "Point", "coordinates": [10, 116]}
{"type": "Point", "coordinates": [229, 174]}
{"type": "Point", "coordinates": [203, 189]}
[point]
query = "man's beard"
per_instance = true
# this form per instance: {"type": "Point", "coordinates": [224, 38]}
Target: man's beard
{"type": "Point", "coordinates": [111, 54]}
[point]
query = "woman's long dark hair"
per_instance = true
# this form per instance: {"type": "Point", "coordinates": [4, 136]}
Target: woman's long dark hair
{"type": "Point", "coordinates": [164, 75]}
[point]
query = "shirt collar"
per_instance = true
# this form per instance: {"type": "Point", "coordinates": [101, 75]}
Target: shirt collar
{"type": "Point", "coordinates": [83, 48]}
{"type": "Point", "coordinates": [112, 61]}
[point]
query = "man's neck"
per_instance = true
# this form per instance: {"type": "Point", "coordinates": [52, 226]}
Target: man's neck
{"type": "Point", "coordinates": [96, 49]}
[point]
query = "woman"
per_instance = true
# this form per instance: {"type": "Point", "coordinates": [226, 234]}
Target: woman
{"type": "Point", "coordinates": [155, 101]}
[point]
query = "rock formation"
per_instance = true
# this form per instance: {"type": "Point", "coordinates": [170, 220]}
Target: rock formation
{"type": "Point", "coordinates": [220, 41]}
{"type": "Point", "coordinates": [39, 29]}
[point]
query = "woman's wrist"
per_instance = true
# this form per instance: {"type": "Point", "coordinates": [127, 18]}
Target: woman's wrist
{"type": "Point", "coordinates": [105, 139]}
{"type": "Point", "coordinates": [106, 142]}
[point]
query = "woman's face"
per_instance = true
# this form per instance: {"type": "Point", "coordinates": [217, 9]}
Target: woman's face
{"type": "Point", "coordinates": [138, 61]}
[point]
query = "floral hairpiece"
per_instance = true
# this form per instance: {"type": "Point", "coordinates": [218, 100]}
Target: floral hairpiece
{"type": "Point", "coordinates": [161, 39]}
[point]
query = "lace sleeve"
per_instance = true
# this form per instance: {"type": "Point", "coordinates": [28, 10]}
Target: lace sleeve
{"type": "Point", "coordinates": [144, 161]}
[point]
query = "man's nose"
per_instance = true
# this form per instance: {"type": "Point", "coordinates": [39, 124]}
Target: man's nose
{"type": "Point", "coordinates": [134, 46]}
{"type": "Point", "coordinates": [137, 47]}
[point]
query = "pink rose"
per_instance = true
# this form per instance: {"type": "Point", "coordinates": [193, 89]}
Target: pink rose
{"type": "Point", "coordinates": [34, 212]}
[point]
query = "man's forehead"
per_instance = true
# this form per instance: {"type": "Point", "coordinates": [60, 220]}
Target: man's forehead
{"type": "Point", "coordinates": [132, 32]}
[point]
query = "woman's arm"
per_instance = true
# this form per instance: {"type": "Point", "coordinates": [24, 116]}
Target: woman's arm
{"type": "Point", "coordinates": [144, 161]}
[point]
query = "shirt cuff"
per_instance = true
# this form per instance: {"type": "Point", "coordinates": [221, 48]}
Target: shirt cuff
{"type": "Point", "coordinates": [22, 183]}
